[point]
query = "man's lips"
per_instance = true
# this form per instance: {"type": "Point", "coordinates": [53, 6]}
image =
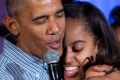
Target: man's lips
{"type": "Point", "coordinates": [71, 71]}
{"type": "Point", "coordinates": [55, 44]}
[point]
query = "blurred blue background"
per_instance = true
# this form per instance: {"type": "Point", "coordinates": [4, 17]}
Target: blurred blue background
{"type": "Point", "coordinates": [104, 5]}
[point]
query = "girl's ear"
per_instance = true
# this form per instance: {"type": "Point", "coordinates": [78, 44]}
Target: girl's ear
{"type": "Point", "coordinates": [10, 25]}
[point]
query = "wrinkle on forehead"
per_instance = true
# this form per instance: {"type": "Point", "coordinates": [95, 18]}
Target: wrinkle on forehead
{"type": "Point", "coordinates": [38, 2]}
{"type": "Point", "coordinates": [47, 1]}
{"type": "Point", "coordinates": [43, 1]}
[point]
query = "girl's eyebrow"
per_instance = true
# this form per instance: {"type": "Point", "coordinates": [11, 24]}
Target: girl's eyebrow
{"type": "Point", "coordinates": [78, 41]}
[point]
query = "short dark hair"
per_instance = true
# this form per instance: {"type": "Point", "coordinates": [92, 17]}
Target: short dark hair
{"type": "Point", "coordinates": [14, 7]}
{"type": "Point", "coordinates": [114, 17]}
{"type": "Point", "coordinates": [96, 23]}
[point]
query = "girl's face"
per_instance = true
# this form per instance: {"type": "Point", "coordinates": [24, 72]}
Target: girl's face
{"type": "Point", "coordinates": [80, 45]}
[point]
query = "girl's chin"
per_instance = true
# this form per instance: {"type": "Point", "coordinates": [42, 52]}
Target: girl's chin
{"type": "Point", "coordinates": [76, 77]}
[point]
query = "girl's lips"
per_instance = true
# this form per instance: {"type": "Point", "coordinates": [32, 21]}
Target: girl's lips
{"type": "Point", "coordinates": [71, 71]}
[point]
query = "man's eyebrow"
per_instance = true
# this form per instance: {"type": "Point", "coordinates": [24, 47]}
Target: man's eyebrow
{"type": "Point", "coordinates": [59, 11]}
{"type": "Point", "coordinates": [39, 17]}
{"type": "Point", "coordinates": [45, 16]}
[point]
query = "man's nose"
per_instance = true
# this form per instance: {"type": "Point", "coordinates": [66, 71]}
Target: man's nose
{"type": "Point", "coordinates": [53, 27]}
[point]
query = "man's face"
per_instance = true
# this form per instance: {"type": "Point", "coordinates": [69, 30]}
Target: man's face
{"type": "Point", "coordinates": [41, 26]}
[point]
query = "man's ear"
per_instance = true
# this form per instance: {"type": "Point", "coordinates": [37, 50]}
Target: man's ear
{"type": "Point", "coordinates": [10, 25]}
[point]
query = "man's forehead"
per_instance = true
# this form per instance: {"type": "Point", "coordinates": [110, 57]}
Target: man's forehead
{"type": "Point", "coordinates": [43, 1]}
{"type": "Point", "coordinates": [48, 1]}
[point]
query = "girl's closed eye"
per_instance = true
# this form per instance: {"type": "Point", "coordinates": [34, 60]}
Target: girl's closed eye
{"type": "Point", "coordinates": [77, 48]}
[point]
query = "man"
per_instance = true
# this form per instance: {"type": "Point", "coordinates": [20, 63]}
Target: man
{"type": "Point", "coordinates": [38, 26]}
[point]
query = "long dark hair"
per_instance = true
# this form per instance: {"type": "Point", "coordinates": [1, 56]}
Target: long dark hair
{"type": "Point", "coordinates": [96, 24]}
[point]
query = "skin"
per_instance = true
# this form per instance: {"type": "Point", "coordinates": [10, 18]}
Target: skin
{"type": "Point", "coordinates": [80, 45]}
{"type": "Point", "coordinates": [39, 27]}
{"type": "Point", "coordinates": [98, 72]}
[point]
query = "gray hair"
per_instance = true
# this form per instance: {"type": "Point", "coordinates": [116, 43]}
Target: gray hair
{"type": "Point", "coordinates": [14, 6]}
